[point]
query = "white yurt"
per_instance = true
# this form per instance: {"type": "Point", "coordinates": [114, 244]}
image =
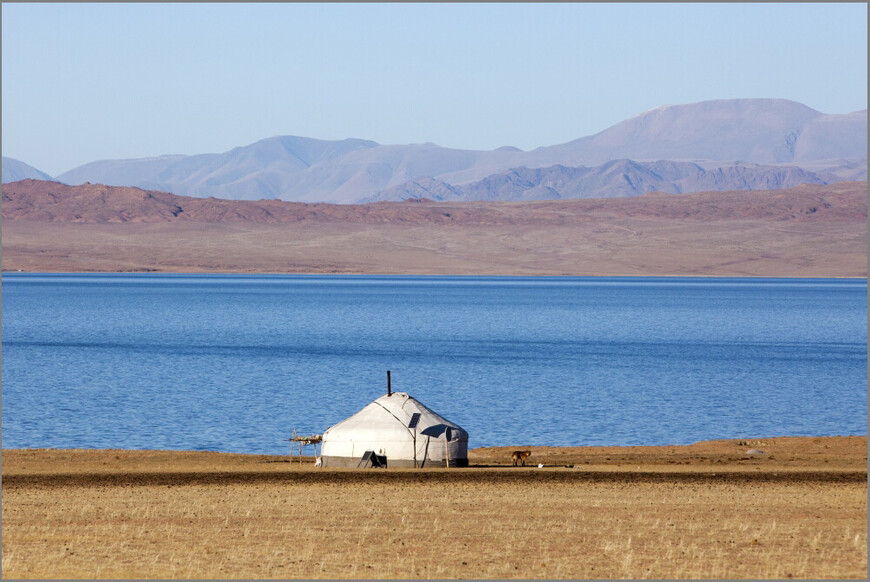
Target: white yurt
{"type": "Point", "coordinates": [400, 428]}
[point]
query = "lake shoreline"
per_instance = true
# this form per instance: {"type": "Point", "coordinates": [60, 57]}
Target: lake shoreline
{"type": "Point", "coordinates": [403, 274]}
{"type": "Point", "coordinates": [774, 455]}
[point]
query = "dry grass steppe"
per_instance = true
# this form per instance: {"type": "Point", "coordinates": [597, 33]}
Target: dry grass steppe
{"type": "Point", "coordinates": [709, 510]}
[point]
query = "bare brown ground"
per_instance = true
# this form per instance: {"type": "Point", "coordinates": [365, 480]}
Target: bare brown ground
{"type": "Point", "coordinates": [809, 231]}
{"type": "Point", "coordinates": [709, 510]}
{"type": "Point", "coordinates": [615, 246]}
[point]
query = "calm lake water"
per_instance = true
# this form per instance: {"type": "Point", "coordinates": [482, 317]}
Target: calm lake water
{"type": "Point", "coordinates": [236, 362]}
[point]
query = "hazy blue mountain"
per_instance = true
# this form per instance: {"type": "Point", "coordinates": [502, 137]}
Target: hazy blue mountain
{"type": "Point", "coordinates": [850, 171]}
{"type": "Point", "coordinates": [14, 170]}
{"type": "Point", "coordinates": [832, 137]}
{"type": "Point", "coordinates": [366, 172]}
{"type": "Point", "coordinates": [711, 134]}
{"type": "Point", "coordinates": [141, 172]}
{"type": "Point", "coordinates": [612, 179]}
{"type": "Point", "coordinates": [763, 131]}
{"type": "Point", "coordinates": [425, 187]}
{"type": "Point", "coordinates": [263, 169]}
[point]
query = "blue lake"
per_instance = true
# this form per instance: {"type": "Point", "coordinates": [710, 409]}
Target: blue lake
{"type": "Point", "coordinates": [236, 362]}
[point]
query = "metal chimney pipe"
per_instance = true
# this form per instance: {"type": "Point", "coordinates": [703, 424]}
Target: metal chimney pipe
{"type": "Point", "coordinates": [389, 389]}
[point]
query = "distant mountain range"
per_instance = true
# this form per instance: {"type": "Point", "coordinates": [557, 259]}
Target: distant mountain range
{"type": "Point", "coordinates": [740, 144]}
{"type": "Point", "coordinates": [610, 180]}
{"type": "Point", "coordinates": [14, 170]}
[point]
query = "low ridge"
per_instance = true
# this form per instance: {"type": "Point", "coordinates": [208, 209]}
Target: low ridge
{"type": "Point", "coordinates": [46, 201]}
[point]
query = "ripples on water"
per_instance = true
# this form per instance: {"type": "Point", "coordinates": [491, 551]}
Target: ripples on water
{"type": "Point", "coordinates": [234, 363]}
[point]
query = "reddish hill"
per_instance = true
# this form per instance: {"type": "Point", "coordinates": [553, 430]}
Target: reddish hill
{"type": "Point", "coordinates": [43, 201]}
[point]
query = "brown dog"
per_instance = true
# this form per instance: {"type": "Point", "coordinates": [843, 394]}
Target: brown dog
{"type": "Point", "coordinates": [520, 456]}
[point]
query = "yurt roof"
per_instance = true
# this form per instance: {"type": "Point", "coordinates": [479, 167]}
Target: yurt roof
{"type": "Point", "coordinates": [392, 414]}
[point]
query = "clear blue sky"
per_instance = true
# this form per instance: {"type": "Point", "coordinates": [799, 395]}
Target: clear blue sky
{"type": "Point", "coordinates": [82, 82]}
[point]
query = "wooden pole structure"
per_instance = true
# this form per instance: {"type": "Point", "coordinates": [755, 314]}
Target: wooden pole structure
{"type": "Point", "coordinates": [447, 447]}
{"type": "Point", "coordinates": [305, 440]}
{"type": "Point", "coordinates": [389, 388]}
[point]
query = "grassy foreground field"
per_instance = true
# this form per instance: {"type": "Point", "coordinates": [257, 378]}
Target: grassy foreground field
{"type": "Point", "coordinates": [709, 510]}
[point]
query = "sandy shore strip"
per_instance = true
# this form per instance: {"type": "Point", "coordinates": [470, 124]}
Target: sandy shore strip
{"type": "Point", "coordinates": [742, 508]}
